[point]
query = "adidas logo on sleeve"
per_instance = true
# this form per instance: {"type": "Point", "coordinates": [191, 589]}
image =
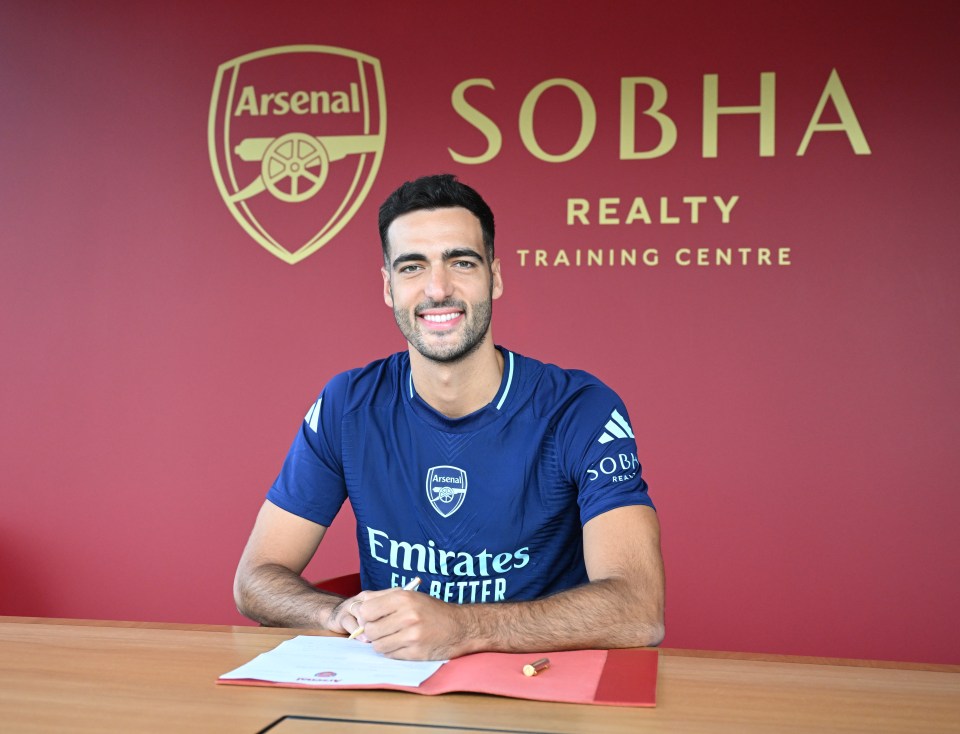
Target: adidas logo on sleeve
{"type": "Point", "coordinates": [616, 427]}
{"type": "Point", "coordinates": [313, 415]}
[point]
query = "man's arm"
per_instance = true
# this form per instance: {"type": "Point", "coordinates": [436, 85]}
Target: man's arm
{"type": "Point", "coordinates": [268, 587]}
{"type": "Point", "coordinates": [622, 606]}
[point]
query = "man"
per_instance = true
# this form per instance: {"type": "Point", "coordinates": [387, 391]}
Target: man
{"type": "Point", "coordinates": [489, 476]}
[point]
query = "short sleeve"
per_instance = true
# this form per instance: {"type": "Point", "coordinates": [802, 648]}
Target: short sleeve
{"type": "Point", "coordinates": [311, 483]}
{"type": "Point", "coordinates": [599, 453]}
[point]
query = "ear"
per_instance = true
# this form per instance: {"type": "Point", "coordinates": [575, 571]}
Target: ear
{"type": "Point", "coordinates": [496, 285]}
{"type": "Point", "coordinates": [387, 290]}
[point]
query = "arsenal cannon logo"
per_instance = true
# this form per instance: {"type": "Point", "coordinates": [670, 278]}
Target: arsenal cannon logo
{"type": "Point", "coordinates": [296, 134]}
{"type": "Point", "coordinates": [446, 488]}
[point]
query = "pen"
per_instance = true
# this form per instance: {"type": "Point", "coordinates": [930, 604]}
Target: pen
{"type": "Point", "coordinates": [411, 585]}
{"type": "Point", "coordinates": [537, 666]}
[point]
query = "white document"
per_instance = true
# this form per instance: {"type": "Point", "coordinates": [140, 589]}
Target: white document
{"type": "Point", "coordinates": [320, 661]}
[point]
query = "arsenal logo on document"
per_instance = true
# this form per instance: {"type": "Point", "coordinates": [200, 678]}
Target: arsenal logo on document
{"type": "Point", "coordinates": [446, 488]}
{"type": "Point", "coordinates": [296, 135]}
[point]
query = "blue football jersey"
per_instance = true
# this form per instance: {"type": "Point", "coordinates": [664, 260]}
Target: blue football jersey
{"type": "Point", "coordinates": [487, 507]}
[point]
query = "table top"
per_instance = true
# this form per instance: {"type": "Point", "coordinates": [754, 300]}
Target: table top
{"type": "Point", "coordinates": [89, 676]}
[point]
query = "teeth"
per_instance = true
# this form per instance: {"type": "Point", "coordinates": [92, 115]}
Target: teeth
{"type": "Point", "coordinates": [440, 318]}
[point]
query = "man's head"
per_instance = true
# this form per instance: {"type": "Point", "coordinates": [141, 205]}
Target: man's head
{"type": "Point", "coordinates": [439, 274]}
{"type": "Point", "coordinates": [441, 191]}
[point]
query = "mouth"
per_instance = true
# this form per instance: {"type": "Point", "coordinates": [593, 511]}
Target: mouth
{"type": "Point", "coordinates": [440, 319]}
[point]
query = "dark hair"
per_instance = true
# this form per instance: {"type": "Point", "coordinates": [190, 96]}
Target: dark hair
{"type": "Point", "coordinates": [441, 191]}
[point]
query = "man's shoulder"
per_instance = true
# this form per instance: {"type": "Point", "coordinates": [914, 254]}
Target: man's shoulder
{"type": "Point", "coordinates": [546, 376]}
{"type": "Point", "coordinates": [551, 388]}
{"type": "Point", "coordinates": [376, 381]}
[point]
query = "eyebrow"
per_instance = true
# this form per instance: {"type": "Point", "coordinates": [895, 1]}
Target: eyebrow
{"type": "Point", "coordinates": [452, 254]}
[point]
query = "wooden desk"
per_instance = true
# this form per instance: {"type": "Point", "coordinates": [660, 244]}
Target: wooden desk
{"type": "Point", "coordinates": [77, 676]}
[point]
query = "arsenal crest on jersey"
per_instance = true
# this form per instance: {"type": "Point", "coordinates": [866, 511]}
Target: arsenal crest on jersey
{"type": "Point", "coordinates": [446, 489]}
{"type": "Point", "coordinates": [296, 134]}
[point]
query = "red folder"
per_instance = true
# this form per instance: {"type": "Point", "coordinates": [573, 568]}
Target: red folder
{"type": "Point", "coordinates": [605, 677]}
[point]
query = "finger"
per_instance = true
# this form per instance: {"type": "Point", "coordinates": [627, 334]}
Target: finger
{"type": "Point", "coordinates": [378, 605]}
{"type": "Point", "coordinates": [346, 615]}
{"type": "Point", "coordinates": [401, 647]}
{"type": "Point", "coordinates": [391, 645]}
{"type": "Point", "coordinates": [394, 628]}
{"type": "Point", "coordinates": [353, 608]}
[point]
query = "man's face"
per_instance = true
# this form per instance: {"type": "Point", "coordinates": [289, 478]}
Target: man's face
{"type": "Point", "coordinates": [438, 282]}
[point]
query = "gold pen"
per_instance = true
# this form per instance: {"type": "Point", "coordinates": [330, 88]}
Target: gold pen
{"type": "Point", "coordinates": [411, 585]}
{"type": "Point", "coordinates": [537, 666]}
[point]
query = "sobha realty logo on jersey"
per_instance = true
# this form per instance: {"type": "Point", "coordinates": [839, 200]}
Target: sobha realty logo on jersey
{"type": "Point", "coordinates": [295, 136]}
{"type": "Point", "coordinates": [446, 488]}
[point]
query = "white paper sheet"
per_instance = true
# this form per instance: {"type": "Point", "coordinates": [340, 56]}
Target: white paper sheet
{"type": "Point", "coordinates": [320, 661]}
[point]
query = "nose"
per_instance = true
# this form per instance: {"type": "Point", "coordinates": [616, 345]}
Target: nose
{"type": "Point", "coordinates": [439, 284]}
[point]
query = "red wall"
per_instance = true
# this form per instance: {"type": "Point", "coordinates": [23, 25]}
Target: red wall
{"type": "Point", "coordinates": [797, 422]}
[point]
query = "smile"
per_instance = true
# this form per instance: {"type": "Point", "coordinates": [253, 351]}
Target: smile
{"type": "Point", "coordinates": [439, 318]}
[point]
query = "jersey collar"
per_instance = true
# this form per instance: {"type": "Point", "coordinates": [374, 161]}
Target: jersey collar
{"type": "Point", "coordinates": [490, 412]}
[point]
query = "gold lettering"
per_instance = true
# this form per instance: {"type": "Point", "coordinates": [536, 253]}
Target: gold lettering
{"type": "Point", "coordinates": [623, 257]}
{"type": "Point", "coordinates": [479, 120]}
{"type": "Point", "coordinates": [297, 100]}
{"type": "Point", "coordinates": [694, 202]}
{"type": "Point", "coordinates": [712, 111]}
{"type": "Point", "coordinates": [265, 101]}
{"type": "Point", "coordinates": [299, 103]}
{"type": "Point", "coordinates": [744, 256]}
{"type": "Point", "coordinates": [665, 217]}
{"type": "Point", "coordinates": [577, 209]}
{"type": "Point", "coordinates": [849, 124]}
{"type": "Point", "coordinates": [319, 102]}
{"type": "Point", "coordinates": [608, 211]}
{"type": "Point", "coordinates": [628, 132]}
{"type": "Point", "coordinates": [588, 120]}
{"type": "Point", "coordinates": [341, 103]}
{"type": "Point", "coordinates": [638, 210]}
{"type": "Point", "coordinates": [725, 207]}
{"type": "Point", "coordinates": [247, 102]}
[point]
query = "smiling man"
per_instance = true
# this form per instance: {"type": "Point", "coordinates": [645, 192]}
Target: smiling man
{"type": "Point", "coordinates": [510, 488]}
{"type": "Point", "coordinates": [431, 272]}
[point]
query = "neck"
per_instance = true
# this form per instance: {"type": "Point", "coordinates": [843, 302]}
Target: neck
{"type": "Point", "coordinates": [459, 388]}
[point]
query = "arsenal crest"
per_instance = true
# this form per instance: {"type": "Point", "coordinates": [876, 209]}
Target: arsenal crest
{"type": "Point", "coordinates": [446, 489]}
{"type": "Point", "coordinates": [296, 134]}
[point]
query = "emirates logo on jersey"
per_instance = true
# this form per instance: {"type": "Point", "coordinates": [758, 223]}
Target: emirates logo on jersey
{"type": "Point", "coordinates": [446, 489]}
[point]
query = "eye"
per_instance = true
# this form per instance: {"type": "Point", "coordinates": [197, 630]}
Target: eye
{"type": "Point", "coordinates": [409, 268]}
{"type": "Point", "coordinates": [464, 264]}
